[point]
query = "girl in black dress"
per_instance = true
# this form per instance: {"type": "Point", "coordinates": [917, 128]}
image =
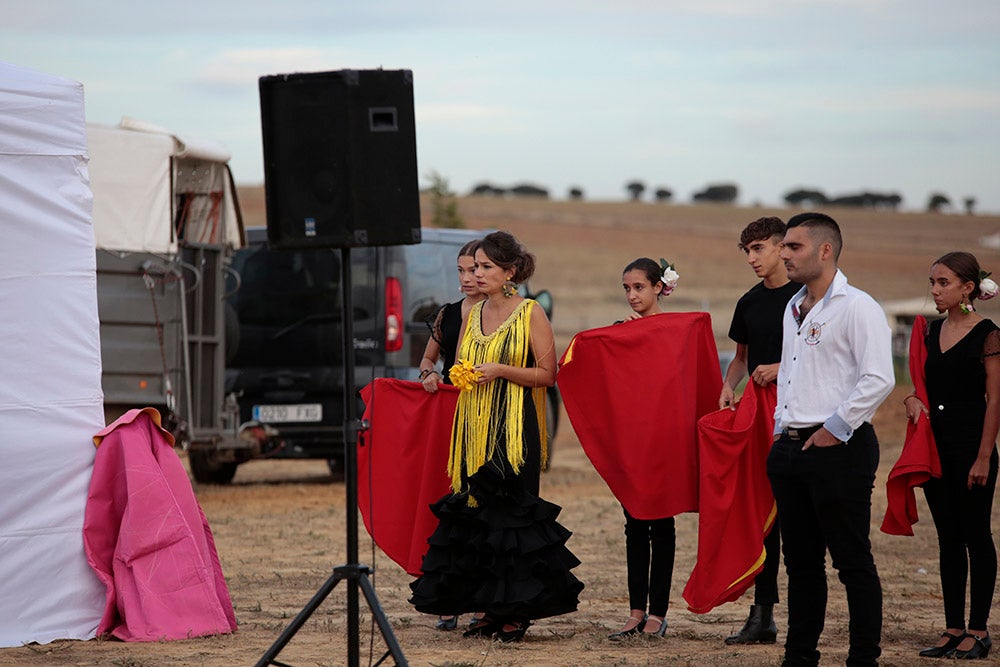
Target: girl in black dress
{"type": "Point", "coordinates": [963, 388]}
{"type": "Point", "coordinates": [498, 547]}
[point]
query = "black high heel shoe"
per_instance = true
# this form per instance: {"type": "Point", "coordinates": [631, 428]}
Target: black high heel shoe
{"type": "Point", "coordinates": [446, 623]}
{"type": "Point", "coordinates": [634, 630]}
{"type": "Point", "coordinates": [516, 634]}
{"type": "Point", "coordinates": [942, 651]}
{"type": "Point", "coordinates": [483, 627]}
{"type": "Point", "coordinates": [980, 648]}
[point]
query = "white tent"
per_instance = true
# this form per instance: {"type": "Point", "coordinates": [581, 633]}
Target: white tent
{"type": "Point", "coordinates": [50, 365]}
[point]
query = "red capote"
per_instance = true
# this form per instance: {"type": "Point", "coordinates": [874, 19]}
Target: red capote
{"type": "Point", "coordinates": [918, 461]}
{"type": "Point", "coordinates": [736, 507]}
{"type": "Point", "coordinates": [403, 465]}
{"type": "Point", "coordinates": [634, 393]}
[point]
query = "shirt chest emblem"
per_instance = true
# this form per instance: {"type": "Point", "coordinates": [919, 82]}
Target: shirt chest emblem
{"type": "Point", "coordinates": [813, 332]}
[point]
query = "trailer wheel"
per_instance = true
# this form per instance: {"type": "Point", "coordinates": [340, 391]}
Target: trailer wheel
{"type": "Point", "coordinates": [207, 469]}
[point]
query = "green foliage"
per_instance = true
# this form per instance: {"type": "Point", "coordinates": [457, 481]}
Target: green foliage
{"type": "Point", "coordinates": [445, 208]}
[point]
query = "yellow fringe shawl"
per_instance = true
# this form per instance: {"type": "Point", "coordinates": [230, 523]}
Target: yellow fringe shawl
{"type": "Point", "coordinates": [479, 424]}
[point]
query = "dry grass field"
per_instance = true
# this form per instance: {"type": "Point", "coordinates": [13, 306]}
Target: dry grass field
{"type": "Point", "coordinates": [280, 527]}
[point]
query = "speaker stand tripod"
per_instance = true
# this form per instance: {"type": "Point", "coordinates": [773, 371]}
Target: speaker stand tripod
{"type": "Point", "coordinates": [353, 573]}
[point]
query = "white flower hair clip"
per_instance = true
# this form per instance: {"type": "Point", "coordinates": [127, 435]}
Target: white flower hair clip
{"type": "Point", "coordinates": [987, 287]}
{"type": "Point", "coordinates": [670, 277]}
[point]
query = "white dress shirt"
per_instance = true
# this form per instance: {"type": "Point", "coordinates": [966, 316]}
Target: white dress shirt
{"type": "Point", "coordinates": [836, 367]}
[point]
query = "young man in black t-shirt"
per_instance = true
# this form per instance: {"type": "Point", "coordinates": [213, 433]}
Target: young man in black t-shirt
{"type": "Point", "coordinates": [756, 329]}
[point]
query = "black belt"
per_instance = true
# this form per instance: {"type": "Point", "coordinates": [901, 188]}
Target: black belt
{"type": "Point", "coordinates": [802, 433]}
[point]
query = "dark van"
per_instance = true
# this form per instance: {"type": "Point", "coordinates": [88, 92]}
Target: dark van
{"type": "Point", "coordinates": [285, 366]}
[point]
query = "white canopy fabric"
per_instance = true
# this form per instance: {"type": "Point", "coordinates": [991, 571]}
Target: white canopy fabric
{"type": "Point", "coordinates": [138, 169]}
{"type": "Point", "coordinates": [50, 367]}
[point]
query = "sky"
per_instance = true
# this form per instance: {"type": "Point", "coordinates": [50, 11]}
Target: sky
{"type": "Point", "coordinates": [889, 96]}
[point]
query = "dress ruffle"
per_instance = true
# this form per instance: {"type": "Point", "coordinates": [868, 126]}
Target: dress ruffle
{"type": "Point", "coordinates": [506, 556]}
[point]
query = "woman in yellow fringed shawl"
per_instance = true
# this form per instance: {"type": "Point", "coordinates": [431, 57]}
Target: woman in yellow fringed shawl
{"type": "Point", "coordinates": [498, 546]}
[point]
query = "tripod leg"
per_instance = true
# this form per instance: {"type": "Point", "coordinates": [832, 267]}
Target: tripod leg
{"type": "Point", "coordinates": [299, 621]}
{"type": "Point", "coordinates": [382, 620]}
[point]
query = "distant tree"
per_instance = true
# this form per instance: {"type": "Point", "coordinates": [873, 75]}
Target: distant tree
{"type": "Point", "coordinates": [868, 200]}
{"type": "Point", "coordinates": [723, 193]}
{"type": "Point", "coordinates": [857, 199]}
{"type": "Point", "coordinates": [483, 189]}
{"type": "Point", "coordinates": [529, 190]}
{"type": "Point", "coordinates": [635, 189]}
{"type": "Point", "coordinates": [970, 205]}
{"type": "Point", "coordinates": [804, 196]}
{"type": "Point", "coordinates": [663, 195]}
{"type": "Point", "coordinates": [576, 193]}
{"type": "Point", "coordinates": [936, 202]}
{"type": "Point", "coordinates": [444, 206]}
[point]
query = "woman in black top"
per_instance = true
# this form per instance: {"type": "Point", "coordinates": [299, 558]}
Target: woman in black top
{"type": "Point", "coordinates": [443, 344]}
{"type": "Point", "coordinates": [963, 388]}
{"type": "Point", "coordinates": [448, 323]}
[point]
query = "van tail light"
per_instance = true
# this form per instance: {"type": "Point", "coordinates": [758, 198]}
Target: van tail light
{"type": "Point", "coordinates": [393, 315]}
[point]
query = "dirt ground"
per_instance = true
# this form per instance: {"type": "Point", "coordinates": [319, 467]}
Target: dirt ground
{"type": "Point", "coordinates": [280, 527]}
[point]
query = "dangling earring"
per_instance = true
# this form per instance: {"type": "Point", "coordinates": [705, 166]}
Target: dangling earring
{"type": "Point", "coordinates": [966, 305]}
{"type": "Point", "coordinates": [509, 288]}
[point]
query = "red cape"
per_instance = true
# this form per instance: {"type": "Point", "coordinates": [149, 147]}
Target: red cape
{"type": "Point", "coordinates": [403, 465]}
{"type": "Point", "coordinates": [148, 540]}
{"type": "Point", "coordinates": [736, 505]}
{"type": "Point", "coordinates": [634, 393]}
{"type": "Point", "coordinates": [918, 461]}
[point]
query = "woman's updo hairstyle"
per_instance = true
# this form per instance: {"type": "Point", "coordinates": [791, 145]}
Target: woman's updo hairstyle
{"type": "Point", "coordinates": [648, 266]}
{"type": "Point", "coordinates": [505, 251]}
{"type": "Point", "coordinates": [469, 249]}
{"type": "Point", "coordinates": [965, 266]}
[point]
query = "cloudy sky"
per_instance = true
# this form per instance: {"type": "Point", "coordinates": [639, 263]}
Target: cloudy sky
{"type": "Point", "coordinates": [840, 95]}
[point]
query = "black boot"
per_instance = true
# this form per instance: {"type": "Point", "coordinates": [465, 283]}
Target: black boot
{"type": "Point", "coordinates": [759, 628]}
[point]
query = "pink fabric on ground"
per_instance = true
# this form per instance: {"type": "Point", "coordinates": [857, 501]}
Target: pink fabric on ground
{"type": "Point", "coordinates": [148, 540]}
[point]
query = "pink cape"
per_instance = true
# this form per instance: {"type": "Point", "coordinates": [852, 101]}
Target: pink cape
{"type": "Point", "coordinates": [634, 393]}
{"type": "Point", "coordinates": [148, 540]}
{"type": "Point", "coordinates": [736, 507]}
{"type": "Point", "coordinates": [403, 465]}
{"type": "Point", "coordinates": [918, 462]}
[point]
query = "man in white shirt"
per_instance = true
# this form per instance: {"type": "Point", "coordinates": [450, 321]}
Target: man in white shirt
{"type": "Point", "coordinates": [836, 368]}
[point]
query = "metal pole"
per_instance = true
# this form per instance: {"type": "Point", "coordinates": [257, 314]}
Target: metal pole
{"type": "Point", "coordinates": [350, 456]}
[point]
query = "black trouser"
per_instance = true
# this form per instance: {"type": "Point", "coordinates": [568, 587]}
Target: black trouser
{"type": "Point", "coordinates": [765, 585]}
{"type": "Point", "coordinates": [649, 556]}
{"type": "Point", "coordinates": [965, 542]}
{"type": "Point", "coordinates": [824, 501]}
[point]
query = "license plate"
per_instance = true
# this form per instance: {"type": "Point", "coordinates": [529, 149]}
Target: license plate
{"type": "Point", "coordinates": [300, 412]}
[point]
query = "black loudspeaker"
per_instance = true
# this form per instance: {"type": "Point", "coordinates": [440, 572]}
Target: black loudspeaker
{"type": "Point", "coordinates": [340, 159]}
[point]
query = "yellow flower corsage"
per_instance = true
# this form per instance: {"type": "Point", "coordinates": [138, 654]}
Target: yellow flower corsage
{"type": "Point", "coordinates": [464, 375]}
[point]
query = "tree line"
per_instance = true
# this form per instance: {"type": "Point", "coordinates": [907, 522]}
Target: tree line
{"type": "Point", "coordinates": [727, 193]}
